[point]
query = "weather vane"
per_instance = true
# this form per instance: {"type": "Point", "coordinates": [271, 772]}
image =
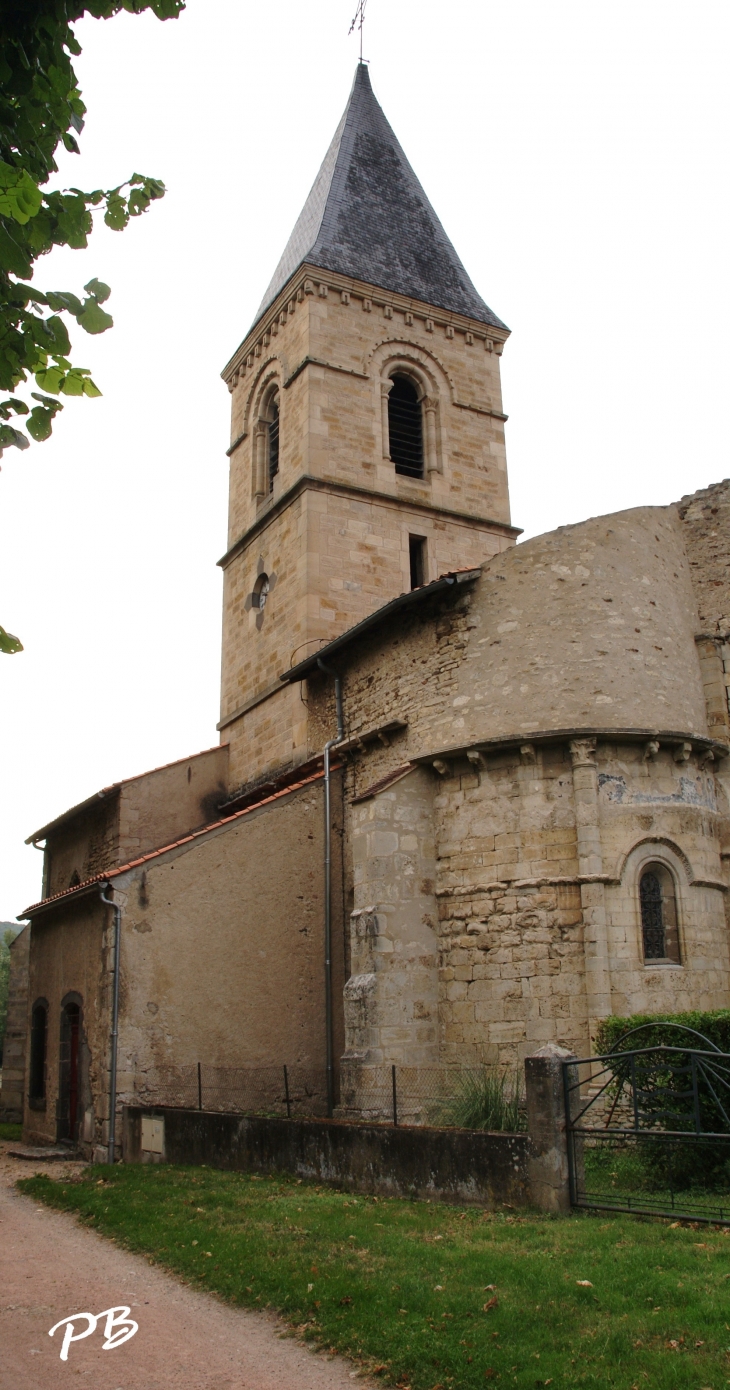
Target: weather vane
{"type": "Point", "coordinates": [358, 21]}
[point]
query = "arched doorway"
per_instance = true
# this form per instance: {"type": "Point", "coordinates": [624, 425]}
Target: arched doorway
{"type": "Point", "coordinates": [69, 1106]}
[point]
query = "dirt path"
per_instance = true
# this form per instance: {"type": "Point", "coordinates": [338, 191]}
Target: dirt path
{"type": "Point", "coordinates": [50, 1267]}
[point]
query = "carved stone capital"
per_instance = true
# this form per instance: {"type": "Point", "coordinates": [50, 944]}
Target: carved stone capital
{"type": "Point", "coordinates": [583, 752]}
{"type": "Point", "coordinates": [682, 753]}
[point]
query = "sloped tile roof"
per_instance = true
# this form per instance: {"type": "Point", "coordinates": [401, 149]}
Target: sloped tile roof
{"type": "Point", "coordinates": [367, 216]}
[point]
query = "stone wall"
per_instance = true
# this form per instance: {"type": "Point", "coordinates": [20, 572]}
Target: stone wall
{"type": "Point", "coordinates": [333, 534]}
{"type": "Point", "coordinates": [15, 1047]}
{"type": "Point", "coordinates": [705, 526]}
{"type": "Point", "coordinates": [82, 847]}
{"type": "Point", "coordinates": [533, 859]}
{"type": "Point", "coordinates": [433, 1164]}
{"type": "Point", "coordinates": [391, 998]}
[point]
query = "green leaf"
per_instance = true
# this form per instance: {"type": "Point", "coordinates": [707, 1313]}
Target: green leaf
{"type": "Point", "coordinates": [61, 299]}
{"type": "Point", "coordinates": [12, 404]}
{"type": "Point", "coordinates": [98, 289]}
{"type": "Point", "coordinates": [116, 215]}
{"type": "Point", "coordinates": [94, 319]}
{"type": "Point", "coordinates": [72, 385]}
{"type": "Point", "coordinates": [9, 437]}
{"type": "Point", "coordinates": [139, 202]}
{"type": "Point", "coordinates": [50, 379]}
{"type": "Point", "coordinates": [40, 422]}
{"type": "Point", "coordinates": [46, 400]}
{"type": "Point", "coordinates": [77, 382]}
{"type": "Point", "coordinates": [59, 335]}
{"type": "Point", "coordinates": [20, 196]}
{"type": "Point", "coordinates": [13, 257]}
{"type": "Point", "coordinates": [9, 644]}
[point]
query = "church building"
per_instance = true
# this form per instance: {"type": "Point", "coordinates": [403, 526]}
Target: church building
{"type": "Point", "coordinates": [470, 796]}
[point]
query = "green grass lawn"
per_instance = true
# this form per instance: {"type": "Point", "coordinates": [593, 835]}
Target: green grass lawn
{"type": "Point", "coordinates": [428, 1295]}
{"type": "Point", "coordinates": [11, 1133]}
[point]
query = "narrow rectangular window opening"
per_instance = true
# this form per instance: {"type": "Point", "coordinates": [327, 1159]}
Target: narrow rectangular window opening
{"type": "Point", "coordinates": [417, 557]}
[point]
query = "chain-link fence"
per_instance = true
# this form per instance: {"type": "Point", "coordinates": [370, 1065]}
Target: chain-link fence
{"type": "Point", "coordinates": [292, 1091]}
{"type": "Point", "coordinates": [486, 1098]}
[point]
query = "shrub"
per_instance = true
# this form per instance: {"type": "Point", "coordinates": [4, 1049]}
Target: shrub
{"type": "Point", "coordinates": [665, 1093]}
{"type": "Point", "coordinates": [485, 1099]}
{"type": "Point", "coordinates": [715, 1026]}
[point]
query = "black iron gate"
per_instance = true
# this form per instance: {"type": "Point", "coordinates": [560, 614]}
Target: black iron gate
{"type": "Point", "coordinates": [648, 1128]}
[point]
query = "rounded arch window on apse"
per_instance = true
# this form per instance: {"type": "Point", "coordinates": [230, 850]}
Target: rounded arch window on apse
{"type": "Point", "coordinates": [658, 902]}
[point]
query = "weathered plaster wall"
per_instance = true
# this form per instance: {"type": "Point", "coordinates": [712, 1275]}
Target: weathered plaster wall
{"type": "Point", "coordinates": [159, 806]}
{"type": "Point", "coordinates": [141, 814]}
{"type": "Point", "coordinates": [223, 956]}
{"type": "Point", "coordinates": [72, 951]}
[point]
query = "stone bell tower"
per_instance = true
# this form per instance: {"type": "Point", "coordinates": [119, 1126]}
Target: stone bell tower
{"type": "Point", "coordinates": [367, 451]}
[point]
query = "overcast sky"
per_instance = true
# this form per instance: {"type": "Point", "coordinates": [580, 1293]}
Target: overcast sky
{"type": "Point", "coordinates": [577, 155]}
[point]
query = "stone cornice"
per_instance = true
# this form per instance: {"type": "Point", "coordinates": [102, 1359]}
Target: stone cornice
{"type": "Point", "coordinates": [310, 279]}
{"type": "Point", "coordinates": [309, 483]}
{"type": "Point", "coordinates": [668, 738]}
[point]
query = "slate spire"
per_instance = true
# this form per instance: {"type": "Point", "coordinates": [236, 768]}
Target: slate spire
{"type": "Point", "coordinates": [367, 216]}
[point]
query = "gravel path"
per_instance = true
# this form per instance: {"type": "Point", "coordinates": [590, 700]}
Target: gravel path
{"type": "Point", "coordinates": [50, 1267]}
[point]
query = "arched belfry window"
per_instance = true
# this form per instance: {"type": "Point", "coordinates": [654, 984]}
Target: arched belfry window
{"type": "Point", "coordinates": [266, 444]}
{"type": "Point", "coordinates": [658, 914]}
{"type": "Point", "coordinates": [405, 426]}
{"type": "Point", "coordinates": [273, 439]}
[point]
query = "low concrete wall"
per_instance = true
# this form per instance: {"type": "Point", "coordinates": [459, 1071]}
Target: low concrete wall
{"type": "Point", "coordinates": [450, 1165]}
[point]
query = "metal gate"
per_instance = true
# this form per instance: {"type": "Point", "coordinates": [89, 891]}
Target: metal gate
{"type": "Point", "coordinates": [648, 1129]}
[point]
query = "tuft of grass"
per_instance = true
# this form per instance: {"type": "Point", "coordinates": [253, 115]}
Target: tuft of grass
{"type": "Point", "coordinates": [427, 1295]}
{"type": "Point", "coordinates": [485, 1099]}
{"type": "Point", "coordinates": [11, 1133]}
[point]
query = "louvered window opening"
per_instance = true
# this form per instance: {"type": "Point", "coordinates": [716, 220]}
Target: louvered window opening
{"type": "Point", "coordinates": [273, 444]}
{"type": "Point", "coordinates": [652, 917]}
{"type": "Point", "coordinates": [405, 427]}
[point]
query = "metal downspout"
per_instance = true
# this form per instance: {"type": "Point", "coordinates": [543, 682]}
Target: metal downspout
{"type": "Point", "coordinates": [115, 1024]}
{"type": "Point", "coordinates": [328, 888]}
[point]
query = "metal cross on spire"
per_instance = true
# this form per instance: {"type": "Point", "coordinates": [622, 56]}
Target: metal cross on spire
{"type": "Point", "coordinates": [358, 21]}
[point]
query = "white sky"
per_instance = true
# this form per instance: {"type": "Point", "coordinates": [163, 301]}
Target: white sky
{"type": "Point", "coordinates": [577, 155]}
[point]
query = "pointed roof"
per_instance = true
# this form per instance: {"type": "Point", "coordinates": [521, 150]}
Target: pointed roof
{"type": "Point", "coordinates": [367, 216]}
